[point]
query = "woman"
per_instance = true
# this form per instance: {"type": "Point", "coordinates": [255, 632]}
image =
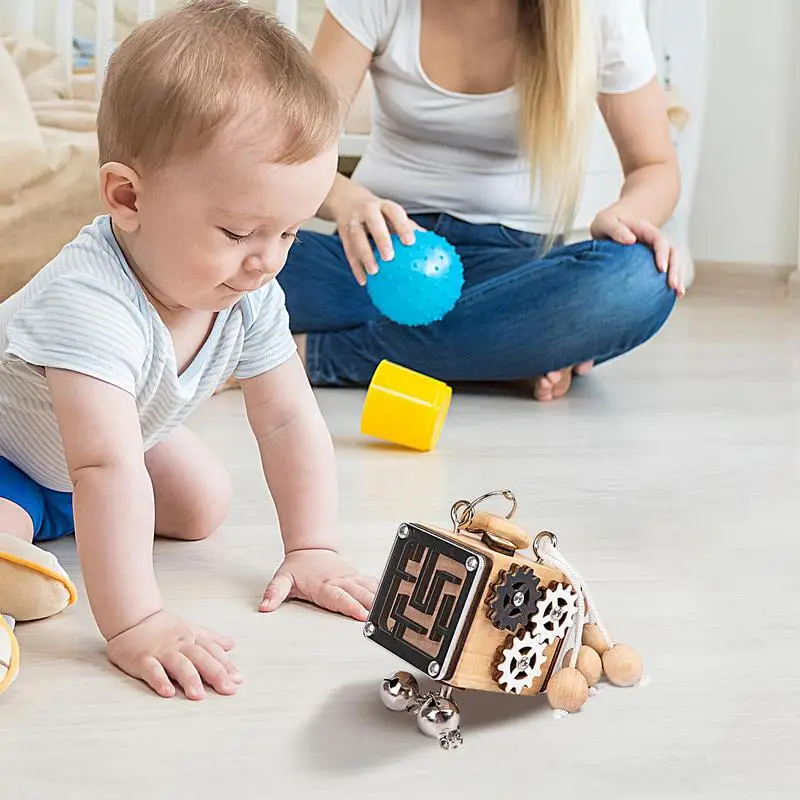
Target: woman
{"type": "Point", "coordinates": [477, 101]}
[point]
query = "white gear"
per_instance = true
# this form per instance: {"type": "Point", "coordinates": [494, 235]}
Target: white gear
{"type": "Point", "coordinates": [521, 663]}
{"type": "Point", "coordinates": [555, 613]}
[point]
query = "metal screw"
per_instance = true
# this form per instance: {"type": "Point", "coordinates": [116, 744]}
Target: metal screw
{"type": "Point", "coordinates": [518, 599]}
{"type": "Point", "coordinates": [433, 669]}
{"type": "Point", "coordinates": [524, 662]}
{"type": "Point", "coordinates": [369, 629]}
{"type": "Point", "coordinates": [472, 564]}
{"type": "Point", "coordinates": [402, 531]}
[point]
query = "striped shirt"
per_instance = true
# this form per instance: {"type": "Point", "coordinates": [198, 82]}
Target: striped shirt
{"type": "Point", "coordinates": [86, 312]}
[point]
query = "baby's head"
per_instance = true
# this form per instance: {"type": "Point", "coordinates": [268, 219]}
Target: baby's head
{"type": "Point", "coordinates": [217, 139]}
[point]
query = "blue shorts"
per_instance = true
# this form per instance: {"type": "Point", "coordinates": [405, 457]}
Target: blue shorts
{"type": "Point", "coordinates": [50, 511]}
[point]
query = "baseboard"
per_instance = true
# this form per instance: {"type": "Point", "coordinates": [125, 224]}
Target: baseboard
{"type": "Point", "coordinates": [725, 278]}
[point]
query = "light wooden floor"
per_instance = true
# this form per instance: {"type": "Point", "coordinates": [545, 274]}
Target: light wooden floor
{"type": "Point", "coordinates": [673, 481]}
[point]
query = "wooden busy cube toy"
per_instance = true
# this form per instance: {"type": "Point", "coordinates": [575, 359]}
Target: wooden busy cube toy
{"type": "Point", "coordinates": [469, 609]}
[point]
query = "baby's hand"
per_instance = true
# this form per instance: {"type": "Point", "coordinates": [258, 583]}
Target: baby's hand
{"type": "Point", "coordinates": [324, 578]}
{"type": "Point", "coordinates": [164, 646]}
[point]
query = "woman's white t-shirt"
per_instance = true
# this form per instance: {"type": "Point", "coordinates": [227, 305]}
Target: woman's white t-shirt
{"type": "Point", "coordinates": [433, 150]}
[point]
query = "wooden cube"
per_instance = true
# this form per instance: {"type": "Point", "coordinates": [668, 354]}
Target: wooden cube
{"type": "Point", "coordinates": [469, 610]}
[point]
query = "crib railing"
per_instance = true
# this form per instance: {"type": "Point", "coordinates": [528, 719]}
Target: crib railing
{"type": "Point", "coordinates": [21, 15]}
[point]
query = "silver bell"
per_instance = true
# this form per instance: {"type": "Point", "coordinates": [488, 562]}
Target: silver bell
{"type": "Point", "coordinates": [439, 718]}
{"type": "Point", "coordinates": [400, 691]}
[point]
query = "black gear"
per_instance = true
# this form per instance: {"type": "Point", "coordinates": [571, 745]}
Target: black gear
{"type": "Point", "coordinates": [513, 598]}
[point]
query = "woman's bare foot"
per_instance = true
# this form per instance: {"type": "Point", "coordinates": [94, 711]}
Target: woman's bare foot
{"type": "Point", "coordinates": [300, 341]}
{"type": "Point", "coordinates": [555, 385]}
{"type": "Point", "coordinates": [231, 383]}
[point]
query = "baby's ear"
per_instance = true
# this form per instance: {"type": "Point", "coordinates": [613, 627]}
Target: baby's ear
{"type": "Point", "coordinates": [119, 191]}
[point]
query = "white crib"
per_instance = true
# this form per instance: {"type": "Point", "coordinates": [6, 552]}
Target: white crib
{"type": "Point", "coordinates": [677, 29]}
{"type": "Point", "coordinates": [21, 16]}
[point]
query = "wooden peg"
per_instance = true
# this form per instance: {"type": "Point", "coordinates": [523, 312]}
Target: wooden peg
{"type": "Point", "coordinates": [677, 114]}
{"type": "Point", "coordinates": [485, 522]}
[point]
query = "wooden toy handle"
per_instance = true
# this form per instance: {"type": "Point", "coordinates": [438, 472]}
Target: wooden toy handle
{"type": "Point", "coordinates": [483, 521]}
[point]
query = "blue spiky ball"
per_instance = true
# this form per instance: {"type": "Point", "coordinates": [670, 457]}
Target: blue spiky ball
{"type": "Point", "coordinates": [421, 283]}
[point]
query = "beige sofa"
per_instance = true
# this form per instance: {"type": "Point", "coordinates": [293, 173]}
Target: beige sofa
{"type": "Point", "coordinates": [48, 162]}
{"type": "Point", "coordinates": [48, 149]}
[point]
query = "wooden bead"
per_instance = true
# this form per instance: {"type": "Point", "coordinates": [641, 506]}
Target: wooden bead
{"type": "Point", "coordinates": [622, 665]}
{"type": "Point", "coordinates": [567, 690]}
{"type": "Point", "coordinates": [588, 664]}
{"type": "Point", "coordinates": [594, 639]}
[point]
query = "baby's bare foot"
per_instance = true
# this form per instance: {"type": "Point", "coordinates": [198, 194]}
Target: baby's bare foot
{"type": "Point", "coordinates": [555, 385]}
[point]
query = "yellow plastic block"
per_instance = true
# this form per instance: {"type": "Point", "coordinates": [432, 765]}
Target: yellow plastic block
{"type": "Point", "coordinates": [405, 407]}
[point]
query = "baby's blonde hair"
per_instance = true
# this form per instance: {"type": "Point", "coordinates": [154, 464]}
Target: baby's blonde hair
{"type": "Point", "coordinates": [178, 78]}
{"type": "Point", "coordinates": [557, 86]}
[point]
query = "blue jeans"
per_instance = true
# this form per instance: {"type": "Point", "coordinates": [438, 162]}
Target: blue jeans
{"type": "Point", "coordinates": [519, 315]}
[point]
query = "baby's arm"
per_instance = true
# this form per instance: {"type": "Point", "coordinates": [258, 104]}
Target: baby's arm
{"type": "Point", "coordinates": [296, 454]}
{"type": "Point", "coordinates": [112, 498]}
{"type": "Point", "coordinates": [300, 467]}
{"type": "Point", "coordinates": [114, 524]}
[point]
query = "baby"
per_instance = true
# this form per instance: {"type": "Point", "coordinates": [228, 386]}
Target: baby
{"type": "Point", "coordinates": [217, 139]}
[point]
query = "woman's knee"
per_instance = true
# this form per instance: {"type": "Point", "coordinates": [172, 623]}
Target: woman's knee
{"type": "Point", "coordinates": [633, 291]}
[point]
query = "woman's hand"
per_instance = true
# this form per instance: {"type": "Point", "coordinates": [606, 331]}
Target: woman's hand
{"type": "Point", "coordinates": [359, 215]}
{"type": "Point", "coordinates": [614, 224]}
{"type": "Point", "coordinates": [324, 578]}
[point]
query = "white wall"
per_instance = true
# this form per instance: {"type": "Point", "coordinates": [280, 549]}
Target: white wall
{"type": "Point", "coordinates": [746, 202]}
{"type": "Point", "coordinates": [745, 207]}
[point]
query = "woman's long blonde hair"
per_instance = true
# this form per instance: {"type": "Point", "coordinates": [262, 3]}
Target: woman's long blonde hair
{"type": "Point", "coordinates": [556, 82]}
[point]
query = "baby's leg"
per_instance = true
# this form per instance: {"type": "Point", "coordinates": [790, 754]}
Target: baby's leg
{"type": "Point", "coordinates": [32, 583]}
{"type": "Point", "coordinates": [192, 489]}
{"type": "Point", "coordinates": [15, 520]}
{"type": "Point", "coordinates": [20, 500]}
